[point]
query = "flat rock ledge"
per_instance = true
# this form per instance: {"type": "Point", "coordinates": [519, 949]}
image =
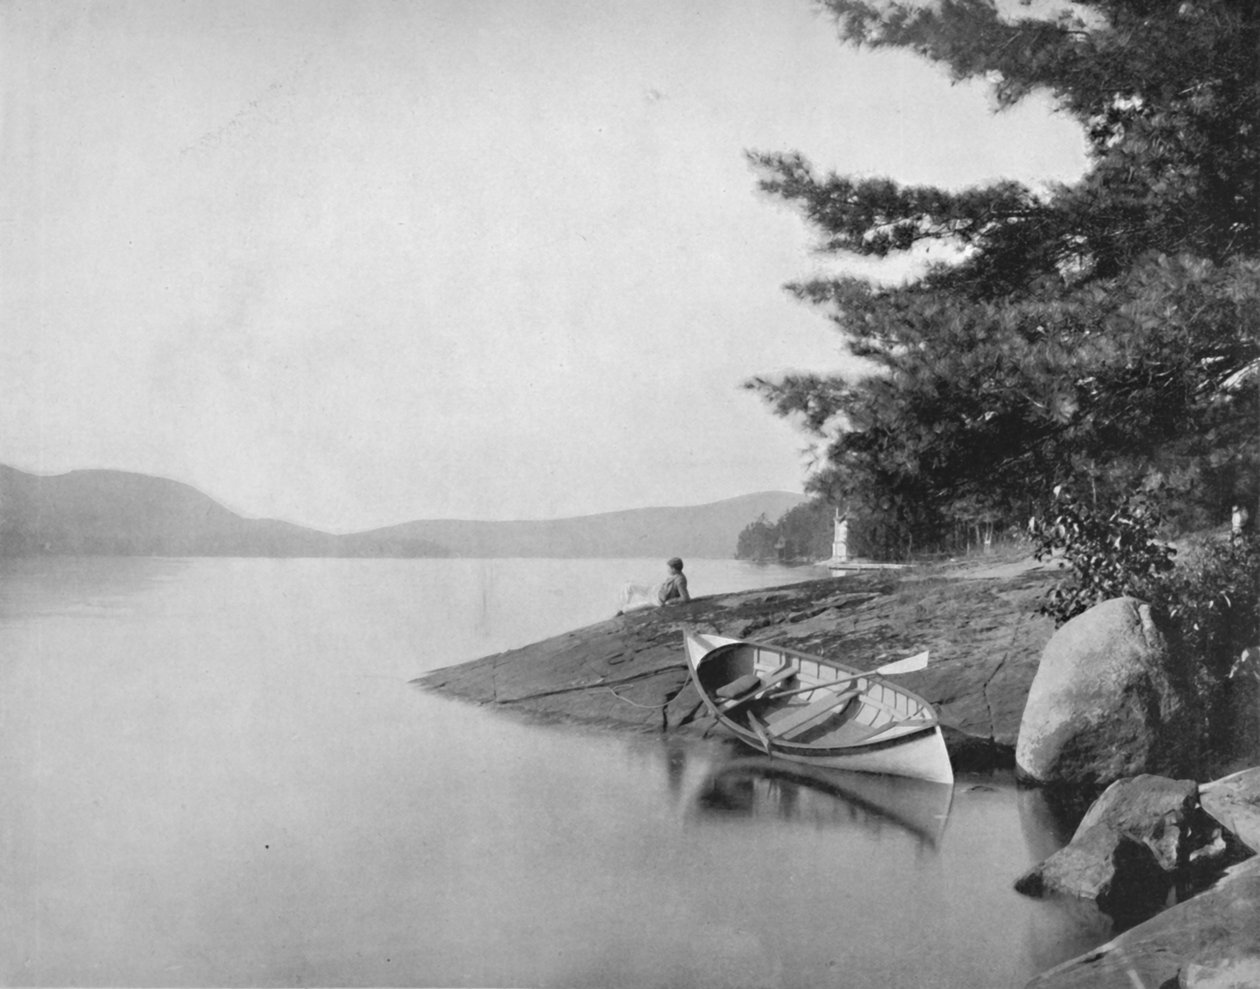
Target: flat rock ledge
{"type": "Point", "coordinates": [628, 672]}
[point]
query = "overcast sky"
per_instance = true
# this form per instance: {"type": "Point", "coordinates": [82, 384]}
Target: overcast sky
{"type": "Point", "coordinates": [354, 263]}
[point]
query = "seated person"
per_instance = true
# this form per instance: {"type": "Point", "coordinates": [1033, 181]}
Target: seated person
{"type": "Point", "coordinates": [674, 590]}
{"type": "Point", "coordinates": [637, 597]}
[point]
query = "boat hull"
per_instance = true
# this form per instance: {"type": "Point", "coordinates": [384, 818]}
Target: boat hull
{"type": "Point", "coordinates": [922, 757]}
{"type": "Point", "coordinates": [907, 743]}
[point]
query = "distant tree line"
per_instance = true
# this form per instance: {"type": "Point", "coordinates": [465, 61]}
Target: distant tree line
{"type": "Point", "coordinates": [806, 533]}
{"type": "Point", "coordinates": [801, 533]}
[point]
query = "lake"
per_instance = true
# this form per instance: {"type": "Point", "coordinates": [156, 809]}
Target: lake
{"type": "Point", "coordinates": [217, 773]}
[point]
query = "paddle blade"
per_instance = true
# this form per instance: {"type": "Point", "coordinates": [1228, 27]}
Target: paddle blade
{"type": "Point", "coordinates": [907, 665]}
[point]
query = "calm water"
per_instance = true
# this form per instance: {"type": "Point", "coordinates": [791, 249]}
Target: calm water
{"type": "Point", "coordinates": [215, 773]}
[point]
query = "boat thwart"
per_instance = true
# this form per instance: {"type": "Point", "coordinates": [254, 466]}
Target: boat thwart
{"type": "Point", "coordinates": [815, 710]}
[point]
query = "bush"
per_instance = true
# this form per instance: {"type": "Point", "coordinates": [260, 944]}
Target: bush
{"type": "Point", "coordinates": [1112, 552]}
{"type": "Point", "coordinates": [1213, 599]}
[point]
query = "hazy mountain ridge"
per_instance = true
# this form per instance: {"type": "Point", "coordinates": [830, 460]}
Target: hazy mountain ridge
{"type": "Point", "coordinates": [118, 513]}
{"type": "Point", "coordinates": [710, 531]}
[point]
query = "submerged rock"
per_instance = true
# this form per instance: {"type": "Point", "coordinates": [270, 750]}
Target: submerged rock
{"type": "Point", "coordinates": [1106, 702]}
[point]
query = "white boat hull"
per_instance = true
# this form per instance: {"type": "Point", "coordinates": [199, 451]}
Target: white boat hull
{"type": "Point", "coordinates": [922, 757]}
{"type": "Point", "coordinates": [918, 754]}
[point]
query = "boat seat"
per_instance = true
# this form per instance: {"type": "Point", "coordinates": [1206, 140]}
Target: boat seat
{"type": "Point", "coordinates": [798, 722]}
{"type": "Point", "coordinates": [737, 688]}
{"type": "Point", "coordinates": [758, 690]}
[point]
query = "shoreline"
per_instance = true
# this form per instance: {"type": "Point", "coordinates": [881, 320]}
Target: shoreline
{"type": "Point", "coordinates": [977, 617]}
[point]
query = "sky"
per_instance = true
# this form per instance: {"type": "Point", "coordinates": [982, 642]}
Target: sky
{"type": "Point", "coordinates": [355, 263]}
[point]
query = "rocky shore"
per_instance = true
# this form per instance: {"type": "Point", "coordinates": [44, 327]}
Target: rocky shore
{"type": "Point", "coordinates": [1165, 831]}
{"type": "Point", "coordinates": [979, 622]}
{"type": "Point", "coordinates": [628, 672]}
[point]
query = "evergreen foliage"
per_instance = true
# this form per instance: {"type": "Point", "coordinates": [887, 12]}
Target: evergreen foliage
{"type": "Point", "coordinates": [756, 540]}
{"type": "Point", "coordinates": [802, 533]}
{"type": "Point", "coordinates": [1106, 332]}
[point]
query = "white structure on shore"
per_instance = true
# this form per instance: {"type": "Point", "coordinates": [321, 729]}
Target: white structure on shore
{"type": "Point", "coordinates": [840, 560]}
{"type": "Point", "coordinates": [840, 539]}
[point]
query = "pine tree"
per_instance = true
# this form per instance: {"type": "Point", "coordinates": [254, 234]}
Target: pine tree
{"type": "Point", "coordinates": [1105, 332]}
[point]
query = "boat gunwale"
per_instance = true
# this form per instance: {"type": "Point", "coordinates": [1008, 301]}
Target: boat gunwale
{"type": "Point", "coordinates": [934, 765]}
{"type": "Point", "coordinates": [933, 720]}
{"type": "Point", "coordinates": [819, 749]}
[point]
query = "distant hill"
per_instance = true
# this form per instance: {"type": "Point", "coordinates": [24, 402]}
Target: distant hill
{"type": "Point", "coordinates": [116, 513]}
{"type": "Point", "coordinates": [709, 531]}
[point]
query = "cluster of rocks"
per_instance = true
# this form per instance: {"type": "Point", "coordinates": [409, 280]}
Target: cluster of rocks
{"type": "Point", "coordinates": [1111, 704]}
{"type": "Point", "coordinates": [1133, 845]}
{"type": "Point", "coordinates": [1101, 703]}
{"type": "Point", "coordinates": [1150, 839]}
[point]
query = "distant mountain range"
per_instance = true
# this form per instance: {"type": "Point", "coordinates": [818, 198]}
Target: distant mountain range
{"type": "Point", "coordinates": [116, 513]}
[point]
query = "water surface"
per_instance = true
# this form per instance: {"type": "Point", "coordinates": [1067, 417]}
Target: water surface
{"type": "Point", "coordinates": [217, 773]}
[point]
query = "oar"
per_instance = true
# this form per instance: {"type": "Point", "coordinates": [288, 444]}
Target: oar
{"type": "Point", "coordinates": [760, 731]}
{"type": "Point", "coordinates": [908, 665]}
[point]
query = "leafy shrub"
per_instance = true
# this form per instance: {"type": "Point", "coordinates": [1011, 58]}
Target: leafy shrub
{"type": "Point", "coordinates": [1112, 552]}
{"type": "Point", "coordinates": [1213, 598]}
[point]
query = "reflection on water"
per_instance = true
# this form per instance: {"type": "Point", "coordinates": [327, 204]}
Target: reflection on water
{"type": "Point", "coordinates": [1047, 822]}
{"type": "Point", "coordinates": [31, 587]}
{"type": "Point", "coordinates": [216, 773]}
{"type": "Point", "coordinates": [756, 786]}
{"type": "Point", "coordinates": [1049, 819]}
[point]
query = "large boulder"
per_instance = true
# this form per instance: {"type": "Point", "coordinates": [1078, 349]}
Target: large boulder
{"type": "Point", "coordinates": [1107, 702]}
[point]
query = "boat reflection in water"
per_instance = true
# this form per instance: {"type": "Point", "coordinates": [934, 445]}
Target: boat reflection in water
{"type": "Point", "coordinates": [762, 787]}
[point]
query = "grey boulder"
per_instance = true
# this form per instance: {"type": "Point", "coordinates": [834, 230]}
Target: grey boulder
{"type": "Point", "coordinates": [1107, 701]}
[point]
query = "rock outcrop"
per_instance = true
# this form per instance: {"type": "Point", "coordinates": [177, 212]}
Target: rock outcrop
{"type": "Point", "coordinates": [1224, 963]}
{"type": "Point", "coordinates": [1134, 843]}
{"type": "Point", "coordinates": [1141, 837]}
{"type": "Point", "coordinates": [1234, 801]}
{"type": "Point", "coordinates": [1106, 703]}
{"type": "Point", "coordinates": [1161, 813]}
{"type": "Point", "coordinates": [629, 673]}
{"type": "Point", "coordinates": [1103, 865]}
{"type": "Point", "coordinates": [1197, 942]}
{"type": "Point", "coordinates": [985, 638]}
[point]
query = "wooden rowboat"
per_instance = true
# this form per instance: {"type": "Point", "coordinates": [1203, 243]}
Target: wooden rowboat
{"type": "Point", "coordinates": [816, 711]}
